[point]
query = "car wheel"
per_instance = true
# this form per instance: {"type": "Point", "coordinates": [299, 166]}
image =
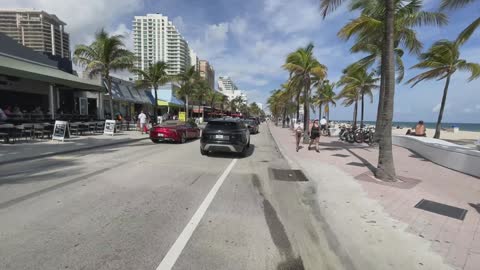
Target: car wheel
{"type": "Point", "coordinates": [203, 152]}
{"type": "Point", "coordinates": [155, 141]}
{"type": "Point", "coordinates": [244, 152]}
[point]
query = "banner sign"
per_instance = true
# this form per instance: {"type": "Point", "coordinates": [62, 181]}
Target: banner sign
{"type": "Point", "coordinates": [109, 127]}
{"type": "Point", "coordinates": [61, 131]}
{"type": "Point", "coordinates": [181, 116]}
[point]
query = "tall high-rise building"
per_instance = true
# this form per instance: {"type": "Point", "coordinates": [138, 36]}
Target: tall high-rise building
{"type": "Point", "coordinates": [194, 60]}
{"type": "Point", "coordinates": [155, 38]}
{"type": "Point", "coordinates": [227, 87]}
{"type": "Point", "coordinates": [207, 72]}
{"type": "Point", "coordinates": [37, 30]}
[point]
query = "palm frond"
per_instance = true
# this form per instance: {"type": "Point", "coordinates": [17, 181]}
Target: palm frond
{"type": "Point", "coordinates": [465, 35]}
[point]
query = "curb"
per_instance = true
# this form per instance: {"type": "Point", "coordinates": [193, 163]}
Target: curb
{"type": "Point", "coordinates": [71, 151]}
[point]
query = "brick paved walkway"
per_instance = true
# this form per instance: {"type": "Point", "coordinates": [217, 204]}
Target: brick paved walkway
{"type": "Point", "coordinates": [458, 242]}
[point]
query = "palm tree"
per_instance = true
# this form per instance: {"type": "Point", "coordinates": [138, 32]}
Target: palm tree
{"type": "Point", "coordinates": [203, 90]}
{"type": "Point", "coordinates": [442, 60]}
{"type": "Point", "coordinates": [467, 32]}
{"type": "Point", "coordinates": [386, 168]}
{"type": "Point", "coordinates": [188, 82]}
{"type": "Point", "coordinates": [104, 55]}
{"type": "Point", "coordinates": [154, 76]}
{"type": "Point", "coordinates": [305, 68]}
{"type": "Point", "coordinates": [369, 28]}
{"type": "Point", "coordinates": [364, 82]}
{"type": "Point", "coordinates": [350, 95]}
{"type": "Point", "coordinates": [328, 97]}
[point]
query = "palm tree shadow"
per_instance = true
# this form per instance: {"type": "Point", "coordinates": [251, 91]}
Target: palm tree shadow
{"type": "Point", "coordinates": [475, 206]}
{"type": "Point", "coordinates": [363, 160]}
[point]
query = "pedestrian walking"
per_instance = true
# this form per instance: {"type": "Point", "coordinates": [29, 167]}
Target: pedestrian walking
{"type": "Point", "coordinates": [298, 133]}
{"type": "Point", "coordinates": [314, 135]}
{"type": "Point", "coordinates": [142, 118]}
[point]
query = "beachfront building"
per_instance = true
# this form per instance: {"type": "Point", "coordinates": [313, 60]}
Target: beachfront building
{"type": "Point", "coordinates": [34, 89]}
{"type": "Point", "coordinates": [207, 73]}
{"type": "Point", "coordinates": [194, 60]}
{"type": "Point", "coordinates": [40, 31]}
{"type": "Point", "coordinates": [155, 38]}
{"type": "Point", "coordinates": [227, 87]}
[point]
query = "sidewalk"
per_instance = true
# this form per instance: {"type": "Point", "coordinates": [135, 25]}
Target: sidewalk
{"type": "Point", "coordinates": [34, 149]}
{"type": "Point", "coordinates": [350, 195]}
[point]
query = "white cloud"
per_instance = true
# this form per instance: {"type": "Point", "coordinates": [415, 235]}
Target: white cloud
{"type": "Point", "coordinates": [477, 107]}
{"type": "Point", "coordinates": [213, 43]}
{"type": "Point", "coordinates": [123, 30]}
{"type": "Point", "coordinates": [468, 110]}
{"type": "Point", "coordinates": [179, 24]}
{"type": "Point", "coordinates": [436, 109]}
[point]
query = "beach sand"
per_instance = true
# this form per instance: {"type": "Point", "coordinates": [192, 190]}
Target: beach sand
{"type": "Point", "coordinates": [466, 138]}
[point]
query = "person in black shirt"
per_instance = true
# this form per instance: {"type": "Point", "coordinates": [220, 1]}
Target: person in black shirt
{"type": "Point", "coordinates": [314, 135]}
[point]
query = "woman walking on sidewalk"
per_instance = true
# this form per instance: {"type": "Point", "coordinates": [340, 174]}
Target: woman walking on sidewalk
{"type": "Point", "coordinates": [314, 135]}
{"type": "Point", "coordinates": [298, 133]}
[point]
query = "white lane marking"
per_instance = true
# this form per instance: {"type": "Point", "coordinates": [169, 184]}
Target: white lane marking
{"type": "Point", "coordinates": [182, 240]}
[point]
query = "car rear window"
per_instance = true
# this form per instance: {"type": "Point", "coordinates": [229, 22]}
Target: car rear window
{"type": "Point", "coordinates": [222, 125]}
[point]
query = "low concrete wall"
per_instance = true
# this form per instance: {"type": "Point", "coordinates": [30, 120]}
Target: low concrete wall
{"type": "Point", "coordinates": [452, 156]}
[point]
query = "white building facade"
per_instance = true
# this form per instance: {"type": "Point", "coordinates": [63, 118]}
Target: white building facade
{"type": "Point", "coordinates": [155, 38]}
{"type": "Point", "coordinates": [227, 87]}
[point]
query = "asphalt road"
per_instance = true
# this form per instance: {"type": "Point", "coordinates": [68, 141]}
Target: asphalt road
{"type": "Point", "coordinates": [132, 207]}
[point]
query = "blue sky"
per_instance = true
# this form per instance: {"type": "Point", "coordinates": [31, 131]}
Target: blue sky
{"type": "Point", "coordinates": [249, 40]}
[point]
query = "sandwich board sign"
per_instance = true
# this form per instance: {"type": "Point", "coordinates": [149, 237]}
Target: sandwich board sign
{"type": "Point", "coordinates": [109, 127]}
{"type": "Point", "coordinates": [61, 131]}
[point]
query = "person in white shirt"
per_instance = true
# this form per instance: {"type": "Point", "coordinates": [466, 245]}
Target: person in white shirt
{"type": "Point", "coordinates": [298, 127]}
{"type": "Point", "coordinates": [142, 118]}
{"type": "Point", "coordinates": [323, 123]}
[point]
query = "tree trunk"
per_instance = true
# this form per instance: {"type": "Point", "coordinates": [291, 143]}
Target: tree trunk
{"type": "Point", "coordinates": [306, 112]}
{"type": "Point", "coordinates": [109, 82]}
{"type": "Point", "coordinates": [355, 110]}
{"type": "Point", "coordinates": [320, 112]}
{"type": "Point", "coordinates": [442, 107]}
{"type": "Point", "coordinates": [298, 106]}
{"type": "Point", "coordinates": [386, 168]}
{"type": "Point", "coordinates": [155, 113]}
{"type": "Point", "coordinates": [283, 117]}
{"type": "Point", "coordinates": [381, 98]}
{"type": "Point", "coordinates": [362, 112]}
{"type": "Point", "coordinates": [186, 108]}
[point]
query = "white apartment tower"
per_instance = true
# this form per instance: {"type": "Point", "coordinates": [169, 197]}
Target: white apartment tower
{"type": "Point", "coordinates": [155, 38]}
{"type": "Point", "coordinates": [227, 87]}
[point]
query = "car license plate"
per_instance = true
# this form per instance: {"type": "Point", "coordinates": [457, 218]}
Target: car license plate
{"type": "Point", "coordinates": [218, 136]}
{"type": "Point", "coordinates": [160, 134]}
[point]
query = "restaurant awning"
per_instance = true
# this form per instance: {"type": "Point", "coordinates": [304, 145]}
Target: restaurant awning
{"type": "Point", "coordinates": [174, 102]}
{"type": "Point", "coordinates": [21, 68]}
{"type": "Point", "coordinates": [126, 91]}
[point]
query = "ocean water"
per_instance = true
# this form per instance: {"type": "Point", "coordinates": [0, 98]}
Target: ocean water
{"type": "Point", "coordinates": [430, 125]}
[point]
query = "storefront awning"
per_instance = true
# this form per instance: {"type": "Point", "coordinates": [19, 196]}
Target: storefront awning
{"type": "Point", "coordinates": [126, 91]}
{"type": "Point", "coordinates": [21, 68]}
{"type": "Point", "coordinates": [172, 103]}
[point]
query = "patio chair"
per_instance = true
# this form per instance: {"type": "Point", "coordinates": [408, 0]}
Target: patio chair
{"type": "Point", "coordinates": [99, 127]}
{"type": "Point", "coordinates": [39, 130]}
{"type": "Point", "coordinates": [6, 130]}
{"type": "Point", "coordinates": [92, 126]}
{"type": "Point", "coordinates": [75, 128]}
{"type": "Point", "coordinates": [27, 130]}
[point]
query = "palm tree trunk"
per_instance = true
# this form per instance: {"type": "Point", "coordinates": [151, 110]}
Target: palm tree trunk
{"type": "Point", "coordinates": [284, 117]}
{"type": "Point", "coordinates": [320, 112]}
{"type": "Point", "coordinates": [378, 122]}
{"type": "Point", "coordinates": [442, 107]}
{"type": "Point", "coordinates": [109, 82]}
{"type": "Point", "coordinates": [186, 108]}
{"type": "Point", "coordinates": [298, 105]}
{"type": "Point", "coordinates": [386, 168]}
{"type": "Point", "coordinates": [155, 113]}
{"type": "Point", "coordinates": [306, 112]}
{"type": "Point", "coordinates": [362, 112]}
{"type": "Point", "coordinates": [355, 109]}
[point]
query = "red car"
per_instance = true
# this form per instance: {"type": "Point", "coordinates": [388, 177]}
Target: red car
{"type": "Point", "coordinates": [174, 131]}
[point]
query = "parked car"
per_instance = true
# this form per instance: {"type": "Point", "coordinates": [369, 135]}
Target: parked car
{"type": "Point", "coordinates": [252, 126]}
{"type": "Point", "coordinates": [256, 119]}
{"type": "Point", "coordinates": [174, 131]}
{"type": "Point", "coordinates": [225, 135]}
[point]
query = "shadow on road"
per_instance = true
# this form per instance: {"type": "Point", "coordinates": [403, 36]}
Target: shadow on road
{"type": "Point", "coordinates": [250, 151]}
